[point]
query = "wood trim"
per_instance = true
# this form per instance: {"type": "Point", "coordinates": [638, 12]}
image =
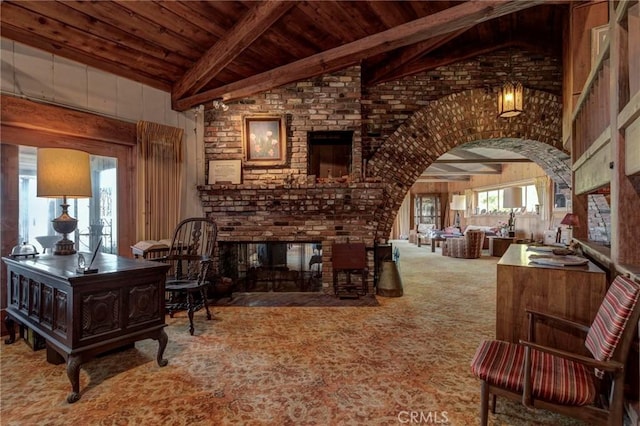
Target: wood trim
{"type": "Point", "coordinates": [64, 122]}
{"type": "Point", "coordinates": [9, 213]}
{"type": "Point", "coordinates": [54, 126]}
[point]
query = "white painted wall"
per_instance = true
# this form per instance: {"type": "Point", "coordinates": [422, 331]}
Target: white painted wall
{"type": "Point", "coordinates": [37, 75]}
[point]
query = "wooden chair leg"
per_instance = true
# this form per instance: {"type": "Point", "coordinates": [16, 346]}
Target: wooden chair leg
{"type": "Point", "coordinates": [493, 404]}
{"type": "Point", "coordinates": [205, 302]}
{"type": "Point", "coordinates": [190, 309]}
{"type": "Point", "coordinates": [484, 403]}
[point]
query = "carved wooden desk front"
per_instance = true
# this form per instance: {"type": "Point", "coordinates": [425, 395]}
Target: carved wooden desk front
{"type": "Point", "coordinates": [81, 316]}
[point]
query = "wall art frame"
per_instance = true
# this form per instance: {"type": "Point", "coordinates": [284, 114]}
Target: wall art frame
{"type": "Point", "coordinates": [225, 171]}
{"type": "Point", "coordinates": [264, 140]}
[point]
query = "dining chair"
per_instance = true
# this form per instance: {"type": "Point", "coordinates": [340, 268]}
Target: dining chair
{"type": "Point", "coordinates": [191, 258]}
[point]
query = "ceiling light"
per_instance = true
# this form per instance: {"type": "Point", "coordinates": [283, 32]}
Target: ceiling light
{"type": "Point", "coordinates": [510, 96]}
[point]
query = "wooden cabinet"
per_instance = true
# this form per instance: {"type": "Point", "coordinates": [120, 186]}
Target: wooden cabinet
{"type": "Point", "coordinates": [81, 316]}
{"type": "Point", "coordinates": [573, 292]}
{"type": "Point", "coordinates": [499, 245]}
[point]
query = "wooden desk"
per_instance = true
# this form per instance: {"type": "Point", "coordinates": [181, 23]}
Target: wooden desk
{"type": "Point", "coordinates": [573, 292]}
{"type": "Point", "coordinates": [81, 316]}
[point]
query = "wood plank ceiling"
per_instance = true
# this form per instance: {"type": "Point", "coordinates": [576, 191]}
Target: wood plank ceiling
{"type": "Point", "coordinates": [201, 51]}
{"type": "Point", "coordinates": [206, 50]}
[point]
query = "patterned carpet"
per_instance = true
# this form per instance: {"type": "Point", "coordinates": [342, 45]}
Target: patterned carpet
{"type": "Point", "coordinates": [343, 365]}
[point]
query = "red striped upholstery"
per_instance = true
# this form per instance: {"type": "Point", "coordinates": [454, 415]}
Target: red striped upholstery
{"type": "Point", "coordinates": [554, 379]}
{"type": "Point", "coordinates": [607, 327]}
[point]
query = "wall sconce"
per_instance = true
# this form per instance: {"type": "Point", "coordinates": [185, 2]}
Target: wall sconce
{"type": "Point", "coordinates": [458, 202]}
{"type": "Point", "coordinates": [512, 198]}
{"type": "Point", "coordinates": [220, 105]}
{"type": "Point", "coordinates": [510, 97]}
{"type": "Point", "coordinates": [63, 173]}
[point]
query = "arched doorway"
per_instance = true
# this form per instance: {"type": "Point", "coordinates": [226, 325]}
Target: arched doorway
{"type": "Point", "coordinates": [467, 117]}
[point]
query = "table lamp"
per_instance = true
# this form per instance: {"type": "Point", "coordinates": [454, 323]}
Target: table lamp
{"type": "Point", "coordinates": [572, 221]}
{"type": "Point", "coordinates": [512, 199]}
{"type": "Point", "coordinates": [458, 203]}
{"type": "Point", "coordinates": [63, 173]}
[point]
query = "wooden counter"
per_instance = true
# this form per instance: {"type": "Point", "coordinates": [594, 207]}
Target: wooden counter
{"type": "Point", "coordinates": [573, 292]}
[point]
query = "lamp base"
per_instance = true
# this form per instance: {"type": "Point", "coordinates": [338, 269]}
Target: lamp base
{"type": "Point", "coordinates": [64, 224]}
{"type": "Point", "coordinates": [64, 247]}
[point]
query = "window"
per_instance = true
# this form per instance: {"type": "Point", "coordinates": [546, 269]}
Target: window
{"type": "Point", "coordinates": [491, 201]}
{"type": "Point", "coordinates": [97, 216]}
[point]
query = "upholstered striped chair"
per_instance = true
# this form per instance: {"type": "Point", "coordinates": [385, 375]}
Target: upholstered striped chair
{"type": "Point", "coordinates": [468, 246]}
{"type": "Point", "coordinates": [571, 384]}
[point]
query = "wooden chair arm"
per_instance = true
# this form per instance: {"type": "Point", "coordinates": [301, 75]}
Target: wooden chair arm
{"type": "Point", "coordinates": [553, 321]}
{"type": "Point", "coordinates": [550, 318]}
{"type": "Point", "coordinates": [611, 366]}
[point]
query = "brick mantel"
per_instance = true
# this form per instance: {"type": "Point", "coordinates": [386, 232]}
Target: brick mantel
{"type": "Point", "coordinates": [325, 212]}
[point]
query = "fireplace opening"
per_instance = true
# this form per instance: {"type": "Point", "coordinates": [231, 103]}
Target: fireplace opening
{"type": "Point", "coordinates": [272, 266]}
{"type": "Point", "coordinates": [329, 153]}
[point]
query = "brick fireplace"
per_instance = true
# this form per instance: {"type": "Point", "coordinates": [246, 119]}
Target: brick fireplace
{"type": "Point", "coordinates": [320, 213]}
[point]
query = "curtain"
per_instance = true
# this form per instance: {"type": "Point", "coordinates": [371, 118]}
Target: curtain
{"type": "Point", "coordinates": [542, 189]}
{"type": "Point", "coordinates": [468, 195]}
{"type": "Point", "coordinates": [160, 159]}
{"type": "Point", "coordinates": [403, 219]}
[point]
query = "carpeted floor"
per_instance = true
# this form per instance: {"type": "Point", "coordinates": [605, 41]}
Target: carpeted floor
{"type": "Point", "coordinates": [343, 365]}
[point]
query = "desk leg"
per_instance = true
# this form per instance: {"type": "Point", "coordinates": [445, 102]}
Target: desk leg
{"type": "Point", "coordinates": [11, 328]}
{"type": "Point", "coordinates": [162, 344]}
{"type": "Point", "coordinates": [73, 373]}
{"type": "Point", "coordinates": [433, 245]}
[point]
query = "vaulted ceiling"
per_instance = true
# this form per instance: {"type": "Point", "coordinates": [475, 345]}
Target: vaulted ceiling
{"type": "Point", "coordinates": [201, 51]}
{"type": "Point", "coordinates": [206, 50]}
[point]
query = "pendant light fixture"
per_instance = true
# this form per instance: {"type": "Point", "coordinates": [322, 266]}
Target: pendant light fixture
{"type": "Point", "coordinates": [510, 96]}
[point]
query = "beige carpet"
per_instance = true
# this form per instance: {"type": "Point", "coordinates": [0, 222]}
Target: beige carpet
{"type": "Point", "coordinates": [374, 365]}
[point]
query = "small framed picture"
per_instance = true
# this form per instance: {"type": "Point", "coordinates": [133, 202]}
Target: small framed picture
{"type": "Point", "coordinates": [264, 140]}
{"type": "Point", "coordinates": [225, 171]}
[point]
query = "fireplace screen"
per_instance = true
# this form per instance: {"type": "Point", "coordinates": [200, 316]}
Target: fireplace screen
{"type": "Point", "coordinates": [273, 266]}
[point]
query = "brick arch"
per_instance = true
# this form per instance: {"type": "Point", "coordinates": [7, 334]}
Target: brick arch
{"type": "Point", "coordinates": [467, 118]}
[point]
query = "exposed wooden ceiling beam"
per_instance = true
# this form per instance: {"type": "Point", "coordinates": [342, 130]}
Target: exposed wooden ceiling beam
{"type": "Point", "coordinates": [408, 54]}
{"type": "Point", "coordinates": [257, 20]}
{"type": "Point", "coordinates": [483, 161]}
{"type": "Point", "coordinates": [462, 172]}
{"type": "Point", "coordinates": [421, 64]}
{"type": "Point", "coordinates": [426, 179]}
{"type": "Point", "coordinates": [449, 20]}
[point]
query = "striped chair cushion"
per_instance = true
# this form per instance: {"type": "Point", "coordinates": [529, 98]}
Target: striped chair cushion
{"type": "Point", "coordinates": [612, 317]}
{"type": "Point", "coordinates": [554, 379]}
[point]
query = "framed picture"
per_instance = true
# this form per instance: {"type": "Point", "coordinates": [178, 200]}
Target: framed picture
{"type": "Point", "coordinates": [225, 171]}
{"type": "Point", "coordinates": [264, 140]}
{"type": "Point", "coordinates": [598, 39]}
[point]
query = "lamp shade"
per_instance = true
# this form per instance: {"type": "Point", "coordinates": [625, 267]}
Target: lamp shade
{"type": "Point", "coordinates": [512, 197]}
{"type": "Point", "coordinates": [571, 220]}
{"type": "Point", "coordinates": [63, 173]}
{"type": "Point", "coordinates": [458, 202]}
